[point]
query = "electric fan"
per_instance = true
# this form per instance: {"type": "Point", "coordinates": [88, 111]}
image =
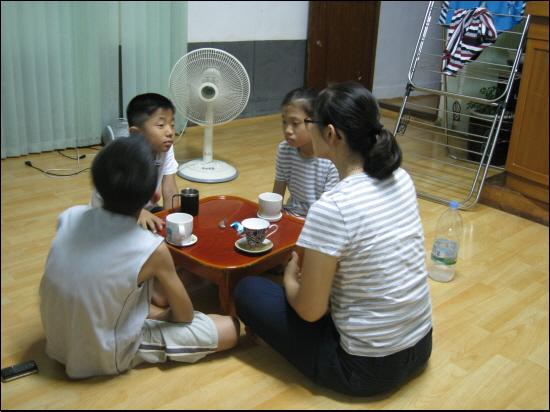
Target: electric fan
{"type": "Point", "coordinates": [115, 130]}
{"type": "Point", "coordinates": [209, 87]}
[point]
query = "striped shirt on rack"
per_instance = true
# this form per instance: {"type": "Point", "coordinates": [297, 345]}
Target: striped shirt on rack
{"type": "Point", "coordinates": [470, 33]}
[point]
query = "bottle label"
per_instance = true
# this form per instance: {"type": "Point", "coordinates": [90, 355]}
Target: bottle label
{"type": "Point", "coordinates": [445, 251]}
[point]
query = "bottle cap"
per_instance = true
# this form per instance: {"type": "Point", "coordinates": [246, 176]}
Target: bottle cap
{"type": "Point", "coordinates": [453, 204]}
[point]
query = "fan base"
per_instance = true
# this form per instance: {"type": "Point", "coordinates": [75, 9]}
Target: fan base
{"type": "Point", "coordinates": [200, 171]}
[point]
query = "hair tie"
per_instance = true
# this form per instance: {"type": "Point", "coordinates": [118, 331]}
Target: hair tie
{"type": "Point", "coordinates": [376, 130]}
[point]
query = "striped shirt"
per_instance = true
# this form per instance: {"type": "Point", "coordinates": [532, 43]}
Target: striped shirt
{"type": "Point", "coordinates": [307, 178]}
{"type": "Point", "coordinates": [380, 301]}
{"type": "Point", "coordinates": [506, 14]}
{"type": "Point", "coordinates": [470, 33]}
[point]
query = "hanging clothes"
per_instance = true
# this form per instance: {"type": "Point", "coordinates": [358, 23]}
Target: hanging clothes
{"type": "Point", "coordinates": [471, 31]}
{"type": "Point", "coordinates": [506, 14]}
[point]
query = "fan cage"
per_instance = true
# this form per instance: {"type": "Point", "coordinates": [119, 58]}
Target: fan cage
{"type": "Point", "coordinates": [215, 66]}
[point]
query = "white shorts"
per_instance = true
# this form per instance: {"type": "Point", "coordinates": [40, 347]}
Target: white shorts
{"type": "Point", "coordinates": [182, 342]}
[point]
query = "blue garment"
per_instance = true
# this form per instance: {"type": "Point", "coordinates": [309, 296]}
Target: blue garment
{"type": "Point", "coordinates": [513, 9]}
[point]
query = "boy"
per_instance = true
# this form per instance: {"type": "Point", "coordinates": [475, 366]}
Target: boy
{"type": "Point", "coordinates": [153, 115]}
{"type": "Point", "coordinates": [98, 280]}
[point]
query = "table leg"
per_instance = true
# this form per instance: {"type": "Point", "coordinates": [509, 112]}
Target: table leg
{"type": "Point", "coordinates": [227, 279]}
{"type": "Point", "coordinates": [225, 295]}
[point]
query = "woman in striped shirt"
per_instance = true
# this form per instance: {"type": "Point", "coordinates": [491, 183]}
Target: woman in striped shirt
{"type": "Point", "coordinates": [355, 316]}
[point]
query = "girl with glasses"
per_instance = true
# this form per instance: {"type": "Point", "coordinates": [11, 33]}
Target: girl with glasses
{"type": "Point", "coordinates": [297, 168]}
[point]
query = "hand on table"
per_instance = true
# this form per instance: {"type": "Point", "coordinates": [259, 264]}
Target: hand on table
{"type": "Point", "coordinates": [147, 220]}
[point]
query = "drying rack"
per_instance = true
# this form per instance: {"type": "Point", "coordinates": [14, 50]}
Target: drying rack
{"type": "Point", "coordinates": [446, 156]}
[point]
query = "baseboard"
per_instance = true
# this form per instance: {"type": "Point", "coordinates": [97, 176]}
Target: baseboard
{"type": "Point", "coordinates": [497, 195]}
{"type": "Point", "coordinates": [394, 105]}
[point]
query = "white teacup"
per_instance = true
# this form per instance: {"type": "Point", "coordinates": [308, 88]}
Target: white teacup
{"type": "Point", "coordinates": [256, 230]}
{"type": "Point", "coordinates": [179, 228]}
{"type": "Point", "coordinates": [270, 204]}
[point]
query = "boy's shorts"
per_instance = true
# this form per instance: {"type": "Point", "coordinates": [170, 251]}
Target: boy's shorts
{"type": "Point", "coordinates": [182, 342]}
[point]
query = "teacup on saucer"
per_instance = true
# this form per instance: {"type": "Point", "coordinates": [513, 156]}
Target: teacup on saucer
{"type": "Point", "coordinates": [243, 245]}
{"type": "Point", "coordinates": [275, 218]}
{"type": "Point", "coordinates": [191, 240]}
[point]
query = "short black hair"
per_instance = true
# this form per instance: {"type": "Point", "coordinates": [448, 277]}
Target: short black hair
{"type": "Point", "coordinates": [303, 97]}
{"type": "Point", "coordinates": [125, 174]}
{"type": "Point", "coordinates": [144, 105]}
{"type": "Point", "coordinates": [353, 110]}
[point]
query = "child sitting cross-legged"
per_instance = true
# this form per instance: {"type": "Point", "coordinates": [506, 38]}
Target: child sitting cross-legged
{"type": "Point", "coordinates": [103, 270]}
{"type": "Point", "coordinates": [153, 115]}
{"type": "Point", "coordinates": [306, 176]}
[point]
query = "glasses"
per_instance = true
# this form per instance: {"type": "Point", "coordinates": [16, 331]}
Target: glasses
{"type": "Point", "coordinates": [297, 123]}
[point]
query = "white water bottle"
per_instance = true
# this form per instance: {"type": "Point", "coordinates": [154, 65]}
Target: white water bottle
{"type": "Point", "coordinates": [446, 244]}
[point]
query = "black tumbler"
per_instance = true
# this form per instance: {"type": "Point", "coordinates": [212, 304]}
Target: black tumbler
{"type": "Point", "coordinates": [189, 202]}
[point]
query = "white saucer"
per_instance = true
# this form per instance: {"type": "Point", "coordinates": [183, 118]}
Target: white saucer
{"type": "Point", "coordinates": [192, 240]}
{"type": "Point", "coordinates": [270, 219]}
{"type": "Point", "coordinates": [242, 244]}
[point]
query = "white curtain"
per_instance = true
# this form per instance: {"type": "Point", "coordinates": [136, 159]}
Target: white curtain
{"type": "Point", "coordinates": [154, 37]}
{"type": "Point", "coordinates": [60, 81]}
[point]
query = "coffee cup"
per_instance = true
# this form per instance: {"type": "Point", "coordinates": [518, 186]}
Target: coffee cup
{"type": "Point", "coordinates": [179, 228]}
{"type": "Point", "coordinates": [189, 201]}
{"type": "Point", "coordinates": [270, 205]}
{"type": "Point", "coordinates": [256, 230]}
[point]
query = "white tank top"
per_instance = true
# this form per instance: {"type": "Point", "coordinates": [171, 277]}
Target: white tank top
{"type": "Point", "coordinates": [91, 305]}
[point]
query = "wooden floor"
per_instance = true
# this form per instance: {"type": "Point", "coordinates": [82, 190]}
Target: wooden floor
{"type": "Point", "coordinates": [490, 348]}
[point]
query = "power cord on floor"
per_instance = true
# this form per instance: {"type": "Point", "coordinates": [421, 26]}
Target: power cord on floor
{"type": "Point", "coordinates": [54, 172]}
{"type": "Point", "coordinates": [48, 172]}
{"type": "Point", "coordinates": [70, 157]}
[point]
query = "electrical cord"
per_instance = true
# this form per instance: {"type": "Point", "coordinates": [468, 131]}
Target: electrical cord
{"type": "Point", "coordinates": [49, 173]}
{"type": "Point", "coordinates": [70, 157]}
{"type": "Point", "coordinates": [178, 138]}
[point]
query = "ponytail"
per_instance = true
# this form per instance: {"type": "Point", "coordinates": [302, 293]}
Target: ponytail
{"type": "Point", "coordinates": [353, 110]}
{"type": "Point", "coordinates": [383, 157]}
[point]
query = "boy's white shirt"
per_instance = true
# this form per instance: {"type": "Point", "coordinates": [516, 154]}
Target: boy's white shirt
{"type": "Point", "coordinates": [168, 166]}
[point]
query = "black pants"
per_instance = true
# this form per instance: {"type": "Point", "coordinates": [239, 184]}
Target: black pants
{"type": "Point", "coordinates": [314, 347]}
